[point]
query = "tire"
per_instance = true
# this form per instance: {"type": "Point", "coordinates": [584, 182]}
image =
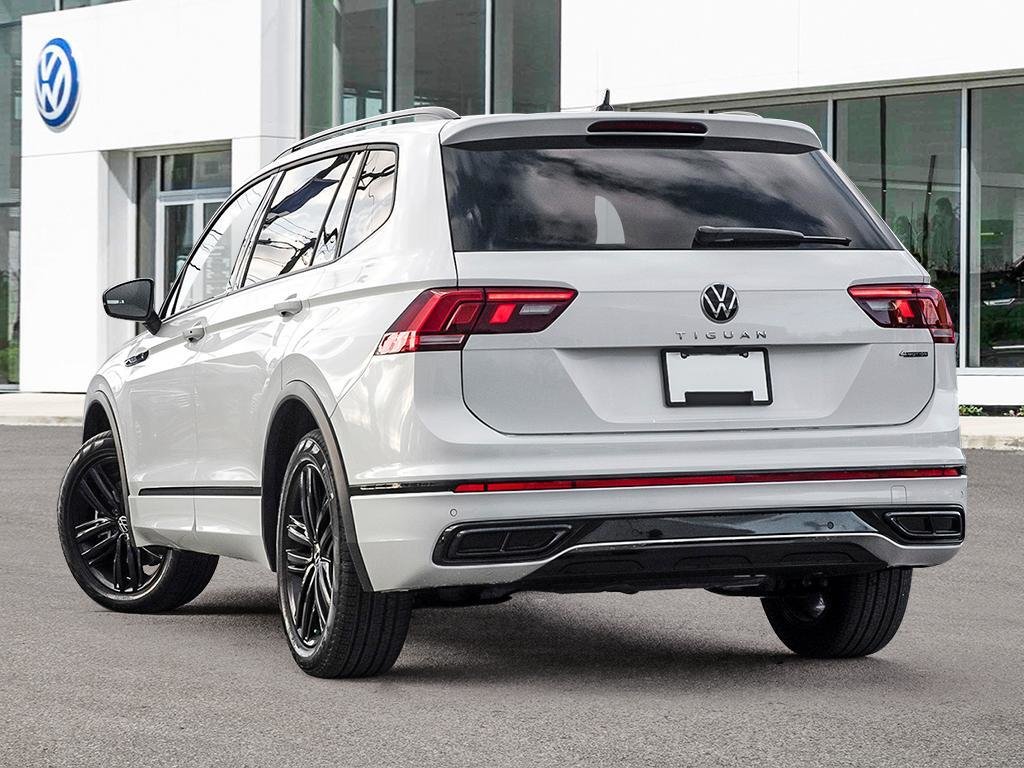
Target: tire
{"type": "Point", "coordinates": [853, 616]}
{"type": "Point", "coordinates": [99, 547]}
{"type": "Point", "coordinates": [334, 627]}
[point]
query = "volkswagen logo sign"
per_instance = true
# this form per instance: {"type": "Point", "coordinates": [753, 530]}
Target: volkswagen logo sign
{"type": "Point", "coordinates": [56, 83]}
{"type": "Point", "coordinates": [719, 303]}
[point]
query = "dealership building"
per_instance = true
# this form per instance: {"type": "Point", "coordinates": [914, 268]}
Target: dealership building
{"type": "Point", "coordinates": [124, 124]}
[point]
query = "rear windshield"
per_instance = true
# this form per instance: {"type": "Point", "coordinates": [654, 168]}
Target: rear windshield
{"type": "Point", "coordinates": [578, 194]}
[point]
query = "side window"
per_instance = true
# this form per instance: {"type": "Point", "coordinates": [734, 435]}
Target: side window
{"type": "Point", "coordinates": [208, 272]}
{"type": "Point", "coordinates": [327, 248]}
{"type": "Point", "coordinates": [287, 239]}
{"type": "Point", "coordinates": [374, 197]}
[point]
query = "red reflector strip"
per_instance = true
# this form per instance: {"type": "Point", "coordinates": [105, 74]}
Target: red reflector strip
{"type": "Point", "coordinates": [731, 479]}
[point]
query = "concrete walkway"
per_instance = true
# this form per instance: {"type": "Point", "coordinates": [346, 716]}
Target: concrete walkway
{"type": "Point", "coordinates": [52, 409]}
{"type": "Point", "coordinates": [25, 408]}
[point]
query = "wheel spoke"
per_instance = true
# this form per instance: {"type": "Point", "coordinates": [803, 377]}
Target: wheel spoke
{"type": "Point", "coordinates": [305, 605]}
{"type": "Point", "coordinates": [323, 605]}
{"type": "Point", "coordinates": [324, 581]}
{"type": "Point", "coordinates": [297, 563]}
{"type": "Point", "coordinates": [324, 517]}
{"type": "Point", "coordinates": [118, 568]}
{"type": "Point", "coordinates": [82, 488]}
{"type": "Point", "coordinates": [102, 482]}
{"type": "Point", "coordinates": [132, 564]}
{"type": "Point", "coordinates": [305, 478]}
{"type": "Point", "coordinates": [91, 528]}
{"type": "Point", "coordinates": [297, 533]}
{"type": "Point", "coordinates": [97, 551]}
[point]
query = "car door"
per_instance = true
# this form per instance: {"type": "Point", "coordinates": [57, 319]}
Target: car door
{"type": "Point", "coordinates": [238, 372]}
{"type": "Point", "coordinates": [157, 402]}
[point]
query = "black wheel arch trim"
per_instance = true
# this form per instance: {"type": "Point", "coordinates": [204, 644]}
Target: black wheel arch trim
{"type": "Point", "coordinates": [302, 392]}
{"type": "Point", "coordinates": [100, 398]}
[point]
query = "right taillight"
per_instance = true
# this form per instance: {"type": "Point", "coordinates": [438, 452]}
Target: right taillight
{"type": "Point", "coordinates": [907, 306]}
{"type": "Point", "coordinates": [443, 318]}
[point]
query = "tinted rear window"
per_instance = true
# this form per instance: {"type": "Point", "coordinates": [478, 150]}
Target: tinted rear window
{"type": "Point", "coordinates": [570, 194]}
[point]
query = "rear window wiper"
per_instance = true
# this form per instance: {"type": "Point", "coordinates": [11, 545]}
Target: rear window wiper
{"type": "Point", "coordinates": [740, 237]}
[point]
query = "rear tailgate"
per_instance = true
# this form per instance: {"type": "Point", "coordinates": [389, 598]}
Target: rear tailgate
{"type": "Point", "coordinates": [600, 367]}
{"type": "Point", "coordinates": [669, 332]}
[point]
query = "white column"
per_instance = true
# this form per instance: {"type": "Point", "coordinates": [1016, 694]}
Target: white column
{"type": "Point", "coordinates": [64, 235]}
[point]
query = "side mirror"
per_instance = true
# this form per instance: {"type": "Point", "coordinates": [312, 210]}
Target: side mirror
{"type": "Point", "coordinates": [133, 301]}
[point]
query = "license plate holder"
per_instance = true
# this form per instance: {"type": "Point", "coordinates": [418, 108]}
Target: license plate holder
{"type": "Point", "coordinates": [716, 376]}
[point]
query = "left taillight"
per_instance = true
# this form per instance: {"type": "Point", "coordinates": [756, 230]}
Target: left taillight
{"type": "Point", "coordinates": [443, 318]}
{"type": "Point", "coordinates": [907, 306]}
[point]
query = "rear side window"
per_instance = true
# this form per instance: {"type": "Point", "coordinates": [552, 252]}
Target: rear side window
{"type": "Point", "coordinates": [580, 194]}
{"type": "Point", "coordinates": [374, 197]}
{"type": "Point", "coordinates": [287, 240]}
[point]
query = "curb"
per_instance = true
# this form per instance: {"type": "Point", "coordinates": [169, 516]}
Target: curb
{"type": "Point", "coordinates": [992, 442]}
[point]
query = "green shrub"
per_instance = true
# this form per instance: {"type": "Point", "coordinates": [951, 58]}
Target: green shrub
{"type": "Point", "coordinates": [9, 365]}
{"type": "Point", "coordinates": [972, 410]}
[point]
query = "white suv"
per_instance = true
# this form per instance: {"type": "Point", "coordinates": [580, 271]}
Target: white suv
{"type": "Point", "coordinates": [431, 360]}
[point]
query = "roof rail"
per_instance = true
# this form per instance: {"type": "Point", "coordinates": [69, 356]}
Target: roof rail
{"type": "Point", "coordinates": [430, 113]}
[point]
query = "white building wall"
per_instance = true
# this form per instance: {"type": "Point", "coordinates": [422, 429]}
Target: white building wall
{"type": "Point", "coordinates": [153, 74]}
{"type": "Point", "coordinates": [659, 50]}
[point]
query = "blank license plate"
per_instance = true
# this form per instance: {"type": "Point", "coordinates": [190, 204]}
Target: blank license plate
{"type": "Point", "coordinates": [717, 377]}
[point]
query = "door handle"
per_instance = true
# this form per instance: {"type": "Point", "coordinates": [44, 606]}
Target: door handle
{"type": "Point", "coordinates": [288, 307]}
{"type": "Point", "coordinates": [195, 333]}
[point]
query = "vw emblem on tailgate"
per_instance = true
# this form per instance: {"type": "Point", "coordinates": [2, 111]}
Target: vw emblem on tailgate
{"type": "Point", "coordinates": [56, 83]}
{"type": "Point", "coordinates": [719, 303]}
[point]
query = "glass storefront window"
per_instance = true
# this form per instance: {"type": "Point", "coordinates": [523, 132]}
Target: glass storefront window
{"type": "Point", "coordinates": [175, 196]}
{"type": "Point", "coordinates": [439, 55]}
{"type": "Point", "coordinates": [812, 113]}
{"type": "Point", "coordinates": [10, 185]}
{"type": "Point", "coordinates": [196, 170]}
{"type": "Point", "coordinates": [344, 62]}
{"type": "Point", "coordinates": [995, 319]}
{"type": "Point", "coordinates": [68, 4]}
{"type": "Point", "coordinates": [527, 55]}
{"type": "Point", "coordinates": [13, 10]}
{"type": "Point", "coordinates": [904, 153]}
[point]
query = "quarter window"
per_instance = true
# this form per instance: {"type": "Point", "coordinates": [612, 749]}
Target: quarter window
{"type": "Point", "coordinates": [288, 237]}
{"type": "Point", "coordinates": [208, 272]}
{"type": "Point", "coordinates": [374, 197]}
{"type": "Point", "coordinates": [327, 247]}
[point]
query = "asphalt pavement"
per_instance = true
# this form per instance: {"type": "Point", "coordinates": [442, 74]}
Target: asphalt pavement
{"type": "Point", "coordinates": [655, 679]}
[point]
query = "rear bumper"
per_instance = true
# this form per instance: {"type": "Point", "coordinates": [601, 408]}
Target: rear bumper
{"type": "Point", "coordinates": [403, 421]}
{"type": "Point", "coordinates": [696, 535]}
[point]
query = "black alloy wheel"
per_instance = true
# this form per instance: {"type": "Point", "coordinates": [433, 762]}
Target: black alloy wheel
{"type": "Point", "coordinates": [334, 627]}
{"type": "Point", "coordinates": [309, 553]}
{"type": "Point", "coordinates": [101, 531]}
{"type": "Point", "coordinates": [100, 550]}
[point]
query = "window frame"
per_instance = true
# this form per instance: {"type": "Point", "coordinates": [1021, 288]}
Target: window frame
{"type": "Point", "coordinates": [241, 265]}
{"type": "Point", "coordinates": [242, 270]}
